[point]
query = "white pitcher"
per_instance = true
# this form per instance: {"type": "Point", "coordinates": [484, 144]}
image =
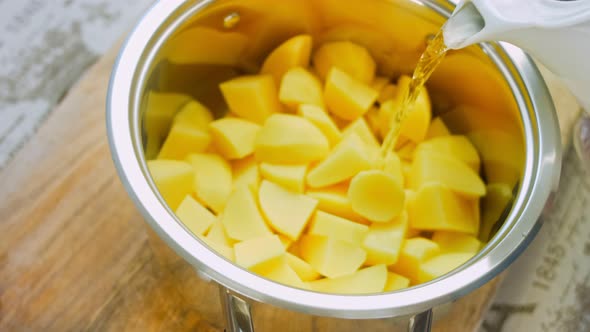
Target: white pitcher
{"type": "Point", "coordinates": [555, 32]}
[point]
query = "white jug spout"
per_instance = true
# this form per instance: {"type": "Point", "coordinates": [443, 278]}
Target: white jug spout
{"type": "Point", "coordinates": [555, 32]}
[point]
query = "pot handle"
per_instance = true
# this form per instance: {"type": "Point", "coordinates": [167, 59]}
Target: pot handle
{"type": "Point", "coordinates": [236, 311]}
{"type": "Point", "coordinates": [421, 322]}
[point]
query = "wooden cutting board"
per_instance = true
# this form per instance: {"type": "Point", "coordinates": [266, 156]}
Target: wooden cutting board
{"type": "Point", "coordinates": [74, 252]}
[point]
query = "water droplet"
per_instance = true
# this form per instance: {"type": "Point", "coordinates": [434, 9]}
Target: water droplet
{"type": "Point", "coordinates": [231, 20]}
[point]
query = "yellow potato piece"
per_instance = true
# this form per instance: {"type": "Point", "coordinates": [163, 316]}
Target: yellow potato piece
{"type": "Point", "coordinates": [406, 152]}
{"type": "Point", "coordinates": [322, 120]}
{"type": "Point", "coordinates": [160, 110]}
{"type": "Point", "coordinates": [498, 197]}
{"type": "Point", "coordinates": [366, 281]}
{"type": "Point", "coordinates": [287, 242]}
{"type": "Point", "coordinates": [252, 97]}
{"type": "Point", "coordinates": [241, 218]}
{"type": "Point", "coordinates": [373, 121]}
{"type": "Point", "coordinates": [387, 93]}
{"type": "Point", "coordinates": [440, 265]}
{"type": "Point", "coordinates": [379, 83]}
{"type": "Point", "coordinates": [218, 234]}
{"type": "Point", "coordinates": [299, 86]}
{"type": "Point", "coordinates": [290, 139]}
{"type": "Point", "coordinates": [287, 212]}
{"type": "Point", "coordinates": [362, 129]}
{"type": "Point", "coordinates": [437, 128]}
{"type": "Point", "coordinates": [221, 249]}
{"type": "Point", "coordinates": [331, 257]}
{"type": "Point", "coordinates": [194, 114]}
{"type": "Point", "coordinates": [295, 52]}
{"type": "Point", "coordinates": [258, 254]}
{"type": "Point", "coordinates": [376, 195]}
{"type": "Point", "coordinates": [335, 200]}
{"type": "Point", "coordinates": [456, 242]}
{"type": "Point", "coordinates": [245, 173]}
{"type": "Point", "coordinates": [291, 177]}
{"type": "Point", "coordinates": [502, 155]}
{"type": "Point", "coordinates": [234, 138]}
{"type": "Point", "coordinates": [202, 45]}
{"type": "Point", "coordinates": [347, 158]}
{"type": "Point", "coordinates": [194, 216]}
{"type": "Point", "coordinates": [351, 58]}
{"type": "Point", "coordinates": [182, 140]}
{"type": "Point", "coordinates": [213, 179]}
{"type": "Point", "coordinates": [392, 164]}
{"type": "Point", "coordinates": [301, 267]}
{"type": "Point", "coordinates": [174, 180]}
{"type": "Point", "coordinates": [383, 241]}
{"type": "Point", "coordinates": [347, 97]}
{"type": "Point", "coordinates": [280, 271]}
{"type": "Point", "coordinates": [406, 170]}
{"type": "Point", "coordinates": [432, 167]}
{"type": "Point", "coordinates": [436, 207]}
{"type": "Point", "coordinates": [417, 119]}
{"type": "Point", "coordinates": [395, 282]}
{"type": "Point", "coordinates": [414, 252]}
{"type": "Point", "coordinates": [456, 146]}
{"type": "Point", "coordinates": [329, 225]}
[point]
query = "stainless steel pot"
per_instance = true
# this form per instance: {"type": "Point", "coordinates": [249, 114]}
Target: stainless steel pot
{"type": "Point", "coordinates": [499, 81]}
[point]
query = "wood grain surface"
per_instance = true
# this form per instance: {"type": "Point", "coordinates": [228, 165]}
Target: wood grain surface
{"type": "Point", "coordinates": [75, 254]}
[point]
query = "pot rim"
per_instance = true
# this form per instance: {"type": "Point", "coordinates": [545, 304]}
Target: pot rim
{"type": "Point", "coordinates": [543, 161]}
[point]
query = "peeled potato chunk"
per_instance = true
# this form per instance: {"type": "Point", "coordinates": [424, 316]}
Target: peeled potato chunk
{"type": "Point", "coordinates": [194, 216]}
{"type": "Point", "coordinates": [295, 52]}
{"type": "Point", "coordinates": [222, 249]}
{"type": "Point", "coordinates": [194, 114]}
{"type": "Point", "coordinates": [347, 97]}
{"type": "Point", "coordinates": [436, 207]}
{"type": "Point", "coordinates": [456, 242]}
{"type": "Point", "coordinates": [258, 254]}
{"type": "Point", "coordinates": [245, 173]}
{"type": "Point", "coordinates": [442, 264]}
{"type": "Point", "coordinates": [299, 86]}
{"type": "Point", "coordinates": [437, 128]}
{"type": "Point", "coordinates": [362, 129]}
{"type": "Point", "coordinates": [383, 241]}
{"type": "Point", "coordinates": [376, 195]}
{"type": "Point", "coordinates": [218, 234]}
{"type": "Point", "coordinates": [280, 271]}
{"type": "Point", "coordinates": [182, 140]}
{"type": "Point", "coordinates": [455, 146]}
{"type": "Point", "coordinates": [290, 139]}
{"type": "Point", "coordinates": [322, 120]}
{"type": "Point", "coordinates": [331, 257]}
{"type": "Point", "coordinates": [291, 177]}
{"type": "Point", "coordinates": [301, 267]}
{"type": "Point", "coordinates": [213, 179]}
{"type": "Point", "coordinates": [174, 180]}
{"type": "Point", "coordinates": [252, 97]}
{"type": "Point", "coordinates": [347, 158]}
{"type": "Point", "coordinates": [241, 218]}
{"type": "Point", "coordinates": [395, 282]}
{"type": "Point", "coordinates": [497, 199]}
{"type": "Point", "coordinates": [432, 167]}
{"type": "Point", "coordinates": [417, 119]}
{"type": "Point", "coordinates": [366, 281]}
{"type": "Point", "coordinates": [335, 200]}
{"type": "Point", "coordinates": [336, 227]}
{"type": "Point", "coordinates": [233, 138]}
{"type": "Point", "coordinates": [351, 58]}
{"type": "Point", "coordinates": [160, 111]}
{"type": "Point", "coordinates": [287, 212]}
{"type": "Point", "coordinates": [414, 252]}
